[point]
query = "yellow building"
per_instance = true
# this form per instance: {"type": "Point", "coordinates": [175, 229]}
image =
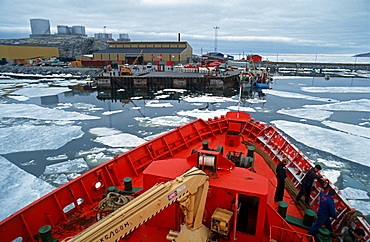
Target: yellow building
{"type": "Point", "coordinates": [25, 53]}
{"type": "Point", "coordinates": [127, 52]}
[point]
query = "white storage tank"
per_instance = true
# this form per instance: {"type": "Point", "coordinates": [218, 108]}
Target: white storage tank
{"type": "Point", "coordinates": [62, 29]}
{"type": "Point", "coordinates": [40, 26]}
{"type": "Point", "coordinates": [78, 29]}
{"type": "Point", "coordinates": [123, 37]}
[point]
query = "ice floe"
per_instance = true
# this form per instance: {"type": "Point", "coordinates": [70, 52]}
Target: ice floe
{"type": "Point", "coordinates": [360, 205]}
{"type": "Point", "coordinates": [353, 193]}
{"type": "Point", "coordinates": [32, 92]}
{"type": "Point", "coordinates": [331, 163]}
{"type": "Point", "coordinates": [332, 175]}
{"type": "Point", "coordinates": [297, 95]}
{"type": "Point", "coordinates": [18, 188]}
{"type": "Point", "coordinates": [336, 89]}
{"type": "Point", "coordinates": [209, 99]}
{"type": "Point", "coordinates": [203, 114]}
{"type": "Point", "coordinates": [97, 159]}
{"type": "Point", "coordinates": [104, 131]}
{"type": "Point", "coordinates": [172, 121]}
{"type": "Point", "coordinates": [18, 98]}
{"type": "Point", "coordinates": [307, 113]}
{"type": "Point", "coordinates": [31, 138]}
{"type": "Point", "coordinates": [347, 146]}
{"type": "Point", "coordinates": [62, 172]}
{"type": "Point", "coordinates": [157, 104]}
{"type": "Point", "coordinates": [58, 157]}
{"type": "Point", "coordinates": [361, 105]}
{"type": "Point", "coordinates": [120, 140]}
{"type": "Point", "coordinates": [349, 128]}
{"type": "Point", "coordinates": [112, 112]}
{"type": "Point", "coordinates": [72, 166]}
{"type": "Point", "coordinates": [242, 109]}
{"type": "Point", "coordinates": [36, 112]}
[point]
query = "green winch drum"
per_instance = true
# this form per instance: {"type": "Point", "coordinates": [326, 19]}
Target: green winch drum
{"type": "Point", "coordinates": [309, 216]}
{"type": "Point", "coordinates": [323, 235]}
{"type": "Point", "coordinates": [282, 208]}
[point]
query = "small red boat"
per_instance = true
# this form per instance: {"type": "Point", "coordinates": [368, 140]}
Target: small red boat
{"type": "Point", "coordinates": [208, 180]}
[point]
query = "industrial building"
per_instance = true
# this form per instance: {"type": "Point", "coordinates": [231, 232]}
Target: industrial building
{"type": "Point", "coordinates": [24, 54]}
{"type": "Point", "coordinates": [147, 52]}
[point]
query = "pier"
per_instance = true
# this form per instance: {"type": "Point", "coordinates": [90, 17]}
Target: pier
{"type": "Point", "coordinates": [155, 81]}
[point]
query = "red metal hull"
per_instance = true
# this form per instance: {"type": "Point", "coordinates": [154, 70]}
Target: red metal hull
{"type": "Point", "coordinates": [72, 208]}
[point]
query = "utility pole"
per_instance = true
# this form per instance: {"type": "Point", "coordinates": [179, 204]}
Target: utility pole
{"type": "Point", "coordinates": [216, 33]}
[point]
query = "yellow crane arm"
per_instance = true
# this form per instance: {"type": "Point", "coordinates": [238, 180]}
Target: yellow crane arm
{"type": "Point", "coordinates": [191, 186]}
{"type": "Point", "coordinates": [137, 57]}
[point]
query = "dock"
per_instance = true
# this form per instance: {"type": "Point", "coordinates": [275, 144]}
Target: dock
{"type": "Point", "coordinates": [155, 81]}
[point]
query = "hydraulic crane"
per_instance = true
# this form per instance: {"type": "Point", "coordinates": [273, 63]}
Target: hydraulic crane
{"type": "Point", "coordinates": [190, 190]}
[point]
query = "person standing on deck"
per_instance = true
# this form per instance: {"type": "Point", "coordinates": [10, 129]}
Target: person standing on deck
{"type": "Point", "coordinates": [325, 212]}
{"type": "Point", "coordinates": [280, 176]}
{"type": "Point", "coordinates": [307, 183]}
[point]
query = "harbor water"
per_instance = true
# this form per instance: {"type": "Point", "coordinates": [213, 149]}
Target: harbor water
{"type": "Point", "coordinates": [52, 133]}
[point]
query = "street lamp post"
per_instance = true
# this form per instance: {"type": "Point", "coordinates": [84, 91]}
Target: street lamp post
{"type": "Point", "coordinates": [216, 32]}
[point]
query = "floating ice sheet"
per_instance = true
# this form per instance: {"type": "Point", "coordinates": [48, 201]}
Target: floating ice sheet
{"type": "Point", "coordinates": [112, 112]}
{"type": "Point", "coordinates": [157, 104]}
{"type": "Point", "coordinates": [31, 138]}
{"type": "Point", "coordinates": [97, 159]}
{"type": "Point", "coordinates": [209, 99]}
{"type": "Point", "coordinates": [362, 206]}
{"type": "Point", "coordinates": [36, 112]}
{"type": "Point", "coordinates": [307, 113]}
{"type": "Point", "coordinates": [347, 146]}
{"type": "Point", "coordinates": [297, 95]}
{"type": "Point", "coordinates": [243, 109]}
{"type": "Point", "coordinates": [353, 193]}
{"type": "Point", "coordinates": [336, 89]}
{"type": "Point", "coordinates": [331, 163]}
{"type": "Point", "coordinates": [203, 114]}
{"type": "Point", "coordinates": [40, 91]}
{"type": "Point", "coordinates": [172, 121]}
{"type": "Point", "coordinates": [104, 131]}
{"type": "Point", "coordinates": [361, 105]}
{"type": "Point", "coordinates": [332, 175]}
{"type": "Point", "coordinates": [72, 166]}
{"type": "Point", "coordinates": [120, 140]}
{"type": "Point", "coordinates": [349, 128]}
{"type": "Point", "coordinates": [19, 98]}
{"type": "Point", "coordinates": [18, 188]}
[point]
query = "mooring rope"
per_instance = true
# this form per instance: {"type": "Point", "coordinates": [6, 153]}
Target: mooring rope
{"type": "Point", "coordinates": [113, 201]}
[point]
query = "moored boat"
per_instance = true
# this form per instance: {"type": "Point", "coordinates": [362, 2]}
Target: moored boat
{"type": "Point", "coordinates": [157, 195]}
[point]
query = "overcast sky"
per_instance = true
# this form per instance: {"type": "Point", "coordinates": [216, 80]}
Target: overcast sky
{"type": "Point", "coordinates": [259, 26]}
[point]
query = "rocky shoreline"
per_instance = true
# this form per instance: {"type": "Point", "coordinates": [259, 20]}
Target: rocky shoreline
{"type": "Point", "coordinates": [81, 72]}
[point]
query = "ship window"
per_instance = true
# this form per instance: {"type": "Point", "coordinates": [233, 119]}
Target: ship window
{"type": "Point", "coordinates": [247, 215]}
